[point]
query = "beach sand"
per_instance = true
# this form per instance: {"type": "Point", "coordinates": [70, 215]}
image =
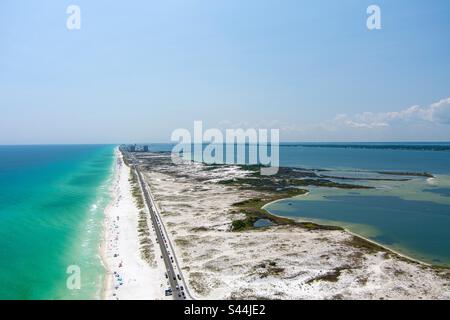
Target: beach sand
{"type": "Point", "coordinates": [128, 275]}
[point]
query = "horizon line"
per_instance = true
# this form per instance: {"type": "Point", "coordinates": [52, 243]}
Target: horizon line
{"type": "Point", "coordinates": [206, 142]}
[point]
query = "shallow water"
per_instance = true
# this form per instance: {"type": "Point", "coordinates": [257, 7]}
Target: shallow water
{"type": "Point", "coordinates": [51, 211]}
{"type": "Point", "coordinates": [262, 223]}
{"type": "Point", "coordinates": [411, 216]}
{"type": "Point", "coordinates": [415, 227]}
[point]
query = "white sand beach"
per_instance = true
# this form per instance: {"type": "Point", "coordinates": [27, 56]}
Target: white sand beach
{"type": "Point", "coordinates": [128, 275]}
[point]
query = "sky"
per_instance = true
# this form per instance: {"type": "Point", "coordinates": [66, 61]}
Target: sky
{"type": "Point", "coordinates": [137, 70]}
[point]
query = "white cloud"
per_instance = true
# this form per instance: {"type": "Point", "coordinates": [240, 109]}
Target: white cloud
{"type": "Point", "coordinates": [415, 123]}
{"type": "Point", "coordinates": [438, 112]}
{"type": "Point", "coordinates": [364, 120]}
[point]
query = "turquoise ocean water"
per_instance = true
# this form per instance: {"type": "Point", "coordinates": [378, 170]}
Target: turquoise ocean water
{"type": "Point", "coordinates": [52, 200]}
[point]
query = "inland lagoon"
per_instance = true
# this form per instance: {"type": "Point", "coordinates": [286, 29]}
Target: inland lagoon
{"type": "Point", "coordinates": [408, 208]}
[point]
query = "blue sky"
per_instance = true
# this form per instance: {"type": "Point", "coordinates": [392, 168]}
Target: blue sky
{"type": "Point", "coordinates": [137, 70]}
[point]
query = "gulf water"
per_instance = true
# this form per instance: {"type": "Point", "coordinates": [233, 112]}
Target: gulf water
{"type": "Point", "coordinates": [52, 201]}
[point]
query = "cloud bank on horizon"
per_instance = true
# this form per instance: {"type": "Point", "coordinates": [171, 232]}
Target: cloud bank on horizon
{"type": "Point", "coordinates": [415, 123]}
{"type": "Point", "coordinates": [368, 126]}
{"type": "Point", "coordinates": [437, 113]}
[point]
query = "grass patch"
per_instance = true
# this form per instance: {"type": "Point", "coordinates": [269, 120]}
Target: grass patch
{"type": "Point", "coordinates": [240, 225]}
{"type": "Point", "coordinates": [281, 183]}
{"type": "Point", "coordinates": [136, 190]}
{"type": "Point", "coordinates": [364, 244]}
{"type": "Point", "coordinates": [146, 245]}
{"type": "Point", "coordinates": [252, 208]}
{"type": "Point", "coordinates": [199, 229]}
{"type": "Point", "coordinates": [182, 242]}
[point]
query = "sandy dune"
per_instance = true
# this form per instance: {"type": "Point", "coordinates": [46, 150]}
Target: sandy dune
{"type": "Point", "coordinates": [283, 262]}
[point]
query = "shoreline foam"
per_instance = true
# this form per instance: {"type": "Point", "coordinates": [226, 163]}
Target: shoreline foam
{"type": "Point", "coordinates": [127, 275]}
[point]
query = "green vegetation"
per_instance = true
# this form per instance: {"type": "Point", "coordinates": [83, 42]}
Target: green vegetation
{"type": "Point", "coordinates": [147, 252]}
{"type": "Point", "coordinates": [136, 190]}
{"type": "Point", "coordinates": [240, 225]}
{"type": "Point", "coordinates": [412, 174]}
{"type": "Point", "coordinates": [253, 211]}
{"type": "Point", "coordinates": [146, 245]}
{"type": "Point", "coordinates": [125, 160]}
{"type": "Point", "coordinates": [181, 242]}
{"type": "Point", "coordinates": [199, 229]}
{"type": "Point", "coordinates": [273, 184]}
{"type": "Point", "coordinates": [324, 183]}
{"type": "Point", "coordinates": [444, 271]}
{"type": "Point", "coordinates": [284, 184]}
{"type": "Point", "coordinates": [366, 245]}
{"type": "Point", "coordinates": [252, 208]}
{"type": "Point", "coordinates": [366, 178]}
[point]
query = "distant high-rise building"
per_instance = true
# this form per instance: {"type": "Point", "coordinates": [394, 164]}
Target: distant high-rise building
{"type": "Point", "coordinates": [145, 148]}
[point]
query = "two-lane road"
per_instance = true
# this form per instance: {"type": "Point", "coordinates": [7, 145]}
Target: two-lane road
{"type": "Point", "coordinates": [173, 272]}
